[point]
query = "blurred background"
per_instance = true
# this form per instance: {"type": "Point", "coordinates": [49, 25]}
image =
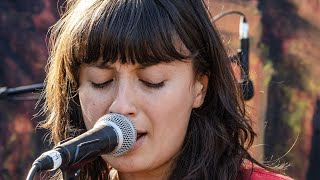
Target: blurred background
{"type": "Point", "coordinates": [284, 54]}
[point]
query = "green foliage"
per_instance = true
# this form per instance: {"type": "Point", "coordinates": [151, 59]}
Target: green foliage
{"type": "Point", "coordinates": [264, 53]}
{"type": "Point", "coordinates": [268, 72]}
{"type": "Point", "coordinates": [295, 111]}
{"type": "Point", "coordinates": [295, 77]}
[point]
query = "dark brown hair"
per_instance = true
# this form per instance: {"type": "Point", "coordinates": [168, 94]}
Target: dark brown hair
{"type": "Point", "coordinates": [147, 32]}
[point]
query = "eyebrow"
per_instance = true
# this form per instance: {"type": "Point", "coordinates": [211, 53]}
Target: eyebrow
{"type": "Point", "coordinates": [102, 65]}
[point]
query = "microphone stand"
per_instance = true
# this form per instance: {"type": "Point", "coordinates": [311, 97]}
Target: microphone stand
{"type": "Point", "coordinates": [12, 93]}
{"type": "Point", "coordinates": [243, 53]}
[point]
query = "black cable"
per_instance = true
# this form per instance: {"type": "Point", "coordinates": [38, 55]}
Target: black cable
{"type": "Point", "coordinates": [32, 172]}
{"type": "Point", "coordinates": [218, 16]}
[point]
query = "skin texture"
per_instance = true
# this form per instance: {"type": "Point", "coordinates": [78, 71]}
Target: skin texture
{"type": "Point", "coordinates": [158, 99]}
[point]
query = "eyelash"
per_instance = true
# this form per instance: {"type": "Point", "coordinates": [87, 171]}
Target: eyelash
{"type": "Point", "coordinates": [153, 85]}
{"type": "Point", "coordinates": [148, 84]}
{"type": "Point", "coordinates": [102, 85]}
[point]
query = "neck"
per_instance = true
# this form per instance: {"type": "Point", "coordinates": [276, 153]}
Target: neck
{"type": "Point", "coordinates": [157, 174]}
{"type": "Point", "coordinates": [138, 176]}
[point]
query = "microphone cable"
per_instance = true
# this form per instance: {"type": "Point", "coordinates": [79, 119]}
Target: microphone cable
{"type": "Point", "coordinates": [32, 172]}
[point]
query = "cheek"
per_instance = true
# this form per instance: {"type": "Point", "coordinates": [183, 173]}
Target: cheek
{"type": "Point", "coordinates": [93, 106]}
{"type": "Point", "coordinates": [171, 114]}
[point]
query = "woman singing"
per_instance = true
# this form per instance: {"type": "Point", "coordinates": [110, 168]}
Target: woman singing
{"type": "Point", "coordinates": [162, 64]}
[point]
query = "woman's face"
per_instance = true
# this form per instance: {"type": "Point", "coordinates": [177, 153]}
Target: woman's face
{"type": "Point", "coordinates": [158, 99]}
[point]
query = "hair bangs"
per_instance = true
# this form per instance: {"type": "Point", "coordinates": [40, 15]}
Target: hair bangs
{"type": "Point", "coordinates": [133, 31]}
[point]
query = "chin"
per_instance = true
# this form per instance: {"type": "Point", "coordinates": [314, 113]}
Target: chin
{"type": "Point", "coordinates": [126, 163]}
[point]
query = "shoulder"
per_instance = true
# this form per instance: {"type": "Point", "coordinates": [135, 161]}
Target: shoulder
{"type": "Point", "coordinates": [258, 173]}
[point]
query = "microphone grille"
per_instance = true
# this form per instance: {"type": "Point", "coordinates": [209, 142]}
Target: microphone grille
{"type": "Point", "coordinates": [128, 131]}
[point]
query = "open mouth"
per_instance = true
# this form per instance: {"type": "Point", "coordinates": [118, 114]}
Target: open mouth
{"type": "Point", "coordinates": [139, 135]}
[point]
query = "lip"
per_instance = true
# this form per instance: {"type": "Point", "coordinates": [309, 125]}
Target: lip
{"type": "Point", "coordinates": [139, 141]}
{"type": "Point", "coordinates": [141, 132]}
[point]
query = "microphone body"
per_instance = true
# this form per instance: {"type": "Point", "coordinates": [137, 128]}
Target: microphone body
{"type": "Point", "coordinates": [244, 46]}
{"type": "Point", "coordinates": [113, 134]}
{"type": "Point", "coordinates": [245, 55]}
{"type": "Point", "coordinates": [245, 82]}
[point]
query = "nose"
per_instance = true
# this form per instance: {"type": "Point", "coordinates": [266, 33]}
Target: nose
{"type": "Point", "coordinates": [124, 101]}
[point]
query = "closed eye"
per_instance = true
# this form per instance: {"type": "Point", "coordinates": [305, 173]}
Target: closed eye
{"type": "Point", "coordinates": [101, 85]}
{"type": "Point", "coordinates": [153, 85]}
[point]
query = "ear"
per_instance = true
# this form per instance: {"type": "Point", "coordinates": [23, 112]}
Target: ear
{"type": "Point", "coordinates": [200, 90]}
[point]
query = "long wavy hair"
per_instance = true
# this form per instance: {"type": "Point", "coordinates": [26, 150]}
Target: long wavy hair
{"type": "Point", "coordinates": [147, 32]}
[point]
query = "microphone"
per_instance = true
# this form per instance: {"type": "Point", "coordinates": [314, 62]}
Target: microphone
{"type": "Point", "coordinates": [245, 83]}
{"type": "Point", "coordinates": [244, 45]}
{"type": "Point", "coordinates": [113, 134]}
